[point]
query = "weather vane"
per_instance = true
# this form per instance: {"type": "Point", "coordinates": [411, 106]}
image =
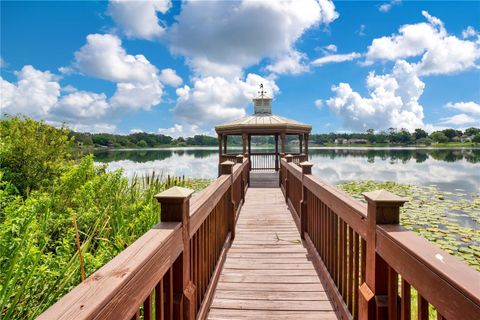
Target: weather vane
{"type": "Point", "coordinates": [262, 92]}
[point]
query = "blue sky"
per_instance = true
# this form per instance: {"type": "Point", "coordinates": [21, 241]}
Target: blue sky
{"type": "Point", "coordinates": [181, 68]}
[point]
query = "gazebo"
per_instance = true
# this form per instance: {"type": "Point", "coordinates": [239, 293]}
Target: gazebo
{"type": "Point", "coordinates": [264, 123]}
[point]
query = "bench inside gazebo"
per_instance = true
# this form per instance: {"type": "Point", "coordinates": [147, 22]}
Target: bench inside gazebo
{"type": "Point", "coordinates": [292, 248]}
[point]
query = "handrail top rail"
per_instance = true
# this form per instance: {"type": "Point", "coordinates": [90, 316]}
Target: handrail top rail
{"type": "Point", "coordinates": [90, 298]}
{"type": "Point", "coordinates": [446, 266]}
{"type": "Point", "coordinates": [205, 200]}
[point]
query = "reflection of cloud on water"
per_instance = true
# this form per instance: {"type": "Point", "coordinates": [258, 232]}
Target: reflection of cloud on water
{"type": "Point", "coordinates": [341, 166]}
{"type": "Point", "coordinates": [447, 175]}
{"type": "Point", "coordinates": [176, 165]}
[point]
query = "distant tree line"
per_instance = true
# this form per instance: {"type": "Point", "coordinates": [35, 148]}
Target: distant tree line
{"type": "Point", "coordinates": [139, 140]}
{"type": "Point", "coordinates": [392, 136]}
{"type": "Point", "coordinates": [403, 136]}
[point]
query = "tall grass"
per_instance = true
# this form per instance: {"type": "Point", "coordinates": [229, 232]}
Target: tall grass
{"type": "Point", "coordinates": [39, 253]}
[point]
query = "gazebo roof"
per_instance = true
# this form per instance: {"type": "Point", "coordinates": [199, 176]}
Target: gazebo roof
{"type": "Point", "coordinates": [263, 121]}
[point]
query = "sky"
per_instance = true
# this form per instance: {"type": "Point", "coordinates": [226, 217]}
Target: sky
{"type": "Point", "coordinates": [180, 68]}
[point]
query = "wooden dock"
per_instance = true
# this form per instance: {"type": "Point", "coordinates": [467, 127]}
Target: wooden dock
{"type": "Point", "coordinates": [267, 272]}
{"type": "Point", "coordinates": [234, 251]}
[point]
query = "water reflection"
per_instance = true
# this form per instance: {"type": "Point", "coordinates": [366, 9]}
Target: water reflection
{"type": "Point", "coordinates": [450, 169]}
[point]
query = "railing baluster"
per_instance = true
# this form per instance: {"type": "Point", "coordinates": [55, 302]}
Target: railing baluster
{"type": "Point", "coordinates": [351, 275]}
{"type": "Point", "coordinates": [392, 294]}
{"type": "Point", "coordinates": [147, 308]}
{"type": "Point", "coordinates": [422, 307]}
{"type": "Point", "coordinates": [356, 274]}
{"type": "Point", "coordinates": [159, 301]}
{"type": "Point", "coordinates": [405, 313]}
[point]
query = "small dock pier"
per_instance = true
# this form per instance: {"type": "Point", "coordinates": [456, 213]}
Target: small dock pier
{"type": "Point", "coordinates": [268, 239]}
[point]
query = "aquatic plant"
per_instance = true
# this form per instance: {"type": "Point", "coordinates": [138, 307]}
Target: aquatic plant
{"type": "Point", "coordinates": [450, 220]}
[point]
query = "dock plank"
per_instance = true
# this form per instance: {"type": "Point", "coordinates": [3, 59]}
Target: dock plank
{"type": "Point", "coordinates": [267, 273]}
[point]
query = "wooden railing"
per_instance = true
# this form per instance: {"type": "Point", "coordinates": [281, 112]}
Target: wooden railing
{"type": "Point", "coordinates": [228, 157]}
{"type": "Point", "coordinates": [263, 161]}
{"type": "Point", "coordinates": [299, 158]}
{"type": "Point", "coordinates": [171, 271]}
{"type": "Point", "coordinates": [368, 263]}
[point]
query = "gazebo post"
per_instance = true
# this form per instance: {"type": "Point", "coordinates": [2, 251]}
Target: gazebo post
{"type": "Point", "coordinates": [220, 138]}
{"type": "Point", "coordinates": [244, 141]}
{"type": "Point", "coordinates": [225, 144]}
{"type": "Point", "coordinates": [250, 150]}
{"type": "Point", "coordinates": [306, 145]}
{"type": "Point", "coordinates": [276, 151]}
{"type": "Point", "coordinates": [300, 143]}
{"type": "Point", "coordinates": [282, 137]}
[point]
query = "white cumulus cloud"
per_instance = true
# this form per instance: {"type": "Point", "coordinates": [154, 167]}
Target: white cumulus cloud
{"type": "Point", "coordinates": [387, 6]}
{"type": "Point", "coordinates": [179, 130]}
{"type": "Point", "coordinates": [468, 107]}
{"type": "Point", "coordinates": [213, 100]}
{"type": "Point", "coordinates": [138, 83]}
{"type": "Point", "coordinates": [34, 93]}
{"type": "Point", "coordinates": [335, 58]}
{"type": "Point", "coordinates": [459, 120]}
{"type": "Point", "coordinates": [392, 101]}
{"type": "Point", "coordinates": [222, 38]}
{"type": "Point", "coordinates": [440, 52]}
{"type": "Point", "coordinates": [170, 77]}
{"type": "Point", "coordinates": [138, 19]}
{"type": "Point", "coordinates": [82, 104]}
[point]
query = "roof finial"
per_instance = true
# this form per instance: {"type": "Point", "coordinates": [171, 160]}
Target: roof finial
{"type": "Point", "coordinates": [262, 92]}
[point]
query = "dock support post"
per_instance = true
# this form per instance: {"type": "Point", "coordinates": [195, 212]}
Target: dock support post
{"type": "Point", "coordinates": [175, 207]}
{"type": "Point", "coordinates": [306, 169]}
{"type": "Point", "coordinates": [227, 168]}
{"type": "Point", "coordinates": [383, 208]}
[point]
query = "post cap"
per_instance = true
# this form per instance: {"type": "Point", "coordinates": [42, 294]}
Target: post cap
{"type": "Point", "coordinates": [239, 158]}
{"type": "Point", "coordinates": [227, 163]}
{"type": "Point", "coordinates": [384, 197]}
{"type": "Point", "coordinates": [306, 167]}
{"type": "Point", "coordinates": [174, 194]}
{"type": "Point", "coordinates": [289, 157]}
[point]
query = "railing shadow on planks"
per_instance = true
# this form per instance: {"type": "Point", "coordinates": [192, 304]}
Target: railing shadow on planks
{"type": "Point", "coordinates": [367, 262]}
{"type": "Point", "coordinates": [170, 272]}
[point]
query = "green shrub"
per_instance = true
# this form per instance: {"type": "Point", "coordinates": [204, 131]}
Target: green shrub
{"type": "Point", "coordinates": [32, 153]}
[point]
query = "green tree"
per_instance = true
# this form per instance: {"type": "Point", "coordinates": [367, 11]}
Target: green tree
{"type": "Point", "coordinates": [32, 153]}
{"type": "Point", "coordinates": [419, 134]}
{"type": "Point", "coordinates": [476, 138]}
{"type": "Point", "coordinates": [439, 136]}
{"type": "Point", "coordinates": [450, 133]}
{"type": "Point", "coordinates": [142, 144]}
{"type": "Point", "coordinates": [472, 131]}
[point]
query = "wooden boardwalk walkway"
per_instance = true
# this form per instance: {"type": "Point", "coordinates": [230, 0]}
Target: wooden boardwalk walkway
{"type": "Point", "coordinates": [267, 273]}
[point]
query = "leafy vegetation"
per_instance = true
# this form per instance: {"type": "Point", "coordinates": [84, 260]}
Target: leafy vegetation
{"type": "Point", "coordinates": [448, 219]}
{"type": "Point", "coordinates": [39, 202]}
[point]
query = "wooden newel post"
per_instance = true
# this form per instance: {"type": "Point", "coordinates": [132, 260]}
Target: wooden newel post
{"type": "Point", "coordinates": [306, 169]}
{"type": "Point", "coordinates": [175, 207]}
{"type": "Point", "coordinates": [289, 159]}
{"type": "Point", "coordinates": [227, 168]}
{"type": "Point", "coordinates": [383, 208]}
{"type": "Point", "coordinates": [242, 185]}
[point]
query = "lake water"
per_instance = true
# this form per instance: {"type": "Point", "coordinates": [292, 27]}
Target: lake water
{"type": "Point", "coordinates": [449, 169]}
